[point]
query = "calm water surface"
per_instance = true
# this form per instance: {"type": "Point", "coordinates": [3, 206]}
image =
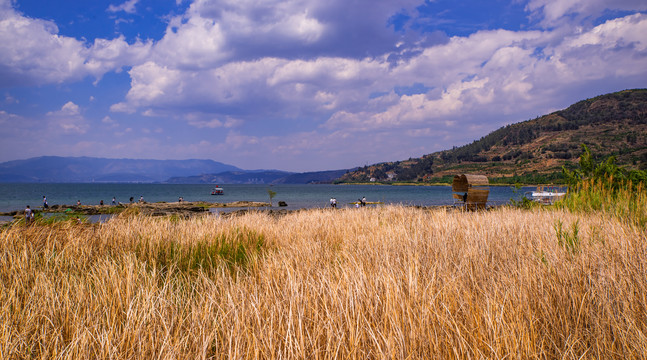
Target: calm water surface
{"type": "Point", "coordinates": [17, 196]}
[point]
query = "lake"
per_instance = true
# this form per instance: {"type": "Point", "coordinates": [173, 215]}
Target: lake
{"type": "Point", "coordinates": [17, 196]}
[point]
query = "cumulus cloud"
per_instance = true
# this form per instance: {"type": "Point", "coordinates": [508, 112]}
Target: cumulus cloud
{"type": "Point", "coordinates": [494, 71]}
{"type": "Point", "coordinates": [561, 12]}
{"type": "Point", "coordinates": [68, 120]}
{"type": "Point", "coordinates": [30, 49]}
{"type": "Point", "coordinates": [488, 73]}
{"type": "Point", "coordinates": [249, 30]}
{"type": "Point", "coordinates": [33, 53]}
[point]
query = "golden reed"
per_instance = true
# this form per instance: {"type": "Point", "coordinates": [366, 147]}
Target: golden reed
{"type": "Point", "coordinates": [385, 282]}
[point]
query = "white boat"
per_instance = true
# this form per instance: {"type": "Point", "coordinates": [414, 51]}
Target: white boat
{"type": "Point", "coordinates": [546, 195]}
{"type": "Point", "coordinates": [217, 191]}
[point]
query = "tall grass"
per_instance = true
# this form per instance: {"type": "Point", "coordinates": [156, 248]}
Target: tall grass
{"type": "Point", "coordinates": [604, 186]}
{"type": "Point", "coordinates": [621, 199]}
{"type": "Point", "coordinates": [387, 282]}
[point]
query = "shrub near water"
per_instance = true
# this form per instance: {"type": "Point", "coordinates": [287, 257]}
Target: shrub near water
{"type": "Point", "coordinates": [623, 199]}
{"type": "Point", "coordinates": [387, 282]}
{"type": "Point", "coordinates": [606, 187]}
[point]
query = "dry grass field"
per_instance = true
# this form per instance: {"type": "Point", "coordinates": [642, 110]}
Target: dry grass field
{"type": "Point", "coordinates": [369, 283]}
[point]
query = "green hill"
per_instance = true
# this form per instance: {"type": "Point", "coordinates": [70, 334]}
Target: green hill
{"type": "Point", "coordinates": [534, 151]}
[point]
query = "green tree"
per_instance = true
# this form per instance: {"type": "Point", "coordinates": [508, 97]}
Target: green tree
{"type": "Point", "coordinates": [271, 194]}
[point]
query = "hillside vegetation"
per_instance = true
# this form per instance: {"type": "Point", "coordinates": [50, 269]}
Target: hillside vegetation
{"type": "Point", "coordinates": [535, 151]}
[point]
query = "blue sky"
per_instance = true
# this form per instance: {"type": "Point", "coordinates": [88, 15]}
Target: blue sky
{"type": "Point", "coordinates": [299, 85]}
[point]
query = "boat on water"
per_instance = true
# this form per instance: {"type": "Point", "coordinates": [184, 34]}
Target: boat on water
{"type": "Point", "coordinates": [546, 195]}
{"type": "Point", "coordinates": [217, 191]}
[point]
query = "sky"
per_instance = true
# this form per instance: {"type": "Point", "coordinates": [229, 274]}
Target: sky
{"type": "Point", "coordinates": [299, 85]}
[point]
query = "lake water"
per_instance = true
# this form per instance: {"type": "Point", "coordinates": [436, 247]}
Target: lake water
{"type": "Point", "coordinates": [17, 196]}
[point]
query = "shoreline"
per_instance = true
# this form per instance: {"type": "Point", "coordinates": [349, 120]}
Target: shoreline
{"type": "Point", "coordinates": [158, 208]}
{"type": "Point", "coordinates": [189, 209]}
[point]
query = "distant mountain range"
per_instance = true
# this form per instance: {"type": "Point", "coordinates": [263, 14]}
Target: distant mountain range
{"type": "Point", "coordinates": [231, 177]}
{"type": "Point", "coordinates": [535, 151]}
{"type": "Point", "coordinates": [55, 169]}
{"type": "Point", "coordinates": [261, 177]}
{"type": "Point", "coordinates": [87, 169]}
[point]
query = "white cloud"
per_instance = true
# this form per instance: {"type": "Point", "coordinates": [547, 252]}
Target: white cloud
{"type": "Point", "coordinates": [67, 120]}
{"type": "Point", "coordinates": [560, 12]}
{"type": "Point", "coordinates": [109, 122]}
{"type": "Point", "coordinates": [30, 50]}
{"type": "Point", "coordinates": [108, 55]}
{"type": "Point", "coordinates": [32, 53]}
{"type": "Point", "coordinates": [128, 7]}
{"type": "Point", "coordinates": [202, 121]}
{"type": "Point", "coordinates": [499, 74]}
{"type": "Point", "coordinates": [7, 119]}
{"type": "Point", "coordinates": [615, 34]}
{"type": "Point", "coordinates": [248, 30]}
{"type": "Point", "coordinates": [196, 44]}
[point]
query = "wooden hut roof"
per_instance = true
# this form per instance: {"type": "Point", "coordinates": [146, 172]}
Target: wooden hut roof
{"type": "Point", "coordinates": [463, 182]}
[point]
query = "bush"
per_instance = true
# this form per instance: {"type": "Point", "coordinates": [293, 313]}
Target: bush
{"type": "Point", "coordinates": [606, 187]}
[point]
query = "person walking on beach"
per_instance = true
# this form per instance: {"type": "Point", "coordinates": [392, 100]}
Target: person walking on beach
{"type": "Point", "coordinates": [28, 215]}
{"type": "Point", "coordinates": [45, 205]}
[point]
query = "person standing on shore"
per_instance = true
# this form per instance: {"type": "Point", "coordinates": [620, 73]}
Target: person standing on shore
{"type": "Point", "coordinates": [364, 201]}
{"type": "Point", "coordinates": [114, 201]}
{"type": "Point", "coordinates": [28, 215]}
{"type": "Point", "coordinates": [45, 205]}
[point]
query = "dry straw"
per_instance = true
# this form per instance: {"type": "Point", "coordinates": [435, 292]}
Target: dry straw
{"type": "Point", "coordinates": [386, 282]}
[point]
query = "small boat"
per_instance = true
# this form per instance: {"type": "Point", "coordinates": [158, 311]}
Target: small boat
{"type": "Point", "coordinates": [546, 195]}
{"type": "Point", "coordinates": [217, 191]}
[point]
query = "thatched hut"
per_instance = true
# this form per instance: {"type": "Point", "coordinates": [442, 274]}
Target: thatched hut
{"type": "Point", "coordinates": [471, 191]}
